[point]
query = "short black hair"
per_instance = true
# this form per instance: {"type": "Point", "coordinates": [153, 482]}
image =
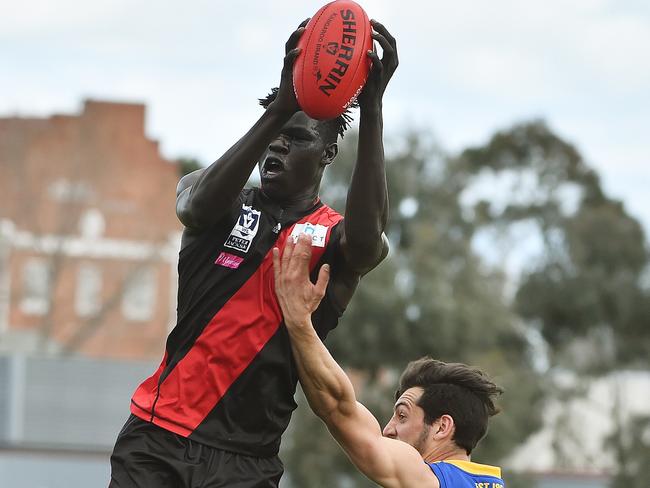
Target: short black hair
{"type": "Point", "coordinates": [332, 128]}
{"type": "Point", "coordinates": [455, 389]}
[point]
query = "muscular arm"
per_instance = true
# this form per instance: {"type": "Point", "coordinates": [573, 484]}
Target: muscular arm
{"type": "Point", "coordinates": [366, 212]}
{"type": "Point", "coordinates": [328, 389]}
{"type": "Point", "coordinates": [366, 209]}
{"type": "Point", "coordinates": [214, 190]}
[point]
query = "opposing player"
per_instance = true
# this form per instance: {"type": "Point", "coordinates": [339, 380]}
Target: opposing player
{"type": "Point", "coordinates": [441, 409]}
{"type": "Point", "coordinates": [213, 413]}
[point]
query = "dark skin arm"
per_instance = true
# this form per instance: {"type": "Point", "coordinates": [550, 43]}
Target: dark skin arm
{"type": "Point", "coordinates": [206, 195]}
{"type": "Point", "coordinates": [366, 213]}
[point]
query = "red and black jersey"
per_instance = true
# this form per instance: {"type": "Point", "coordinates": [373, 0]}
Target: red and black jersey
{"type": "Point", "coordinates": [228, 377]}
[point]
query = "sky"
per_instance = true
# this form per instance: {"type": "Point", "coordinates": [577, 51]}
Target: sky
{"type": "Point", "coordinates": [467, 68]}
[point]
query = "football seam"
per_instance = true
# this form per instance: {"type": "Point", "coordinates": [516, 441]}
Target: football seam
{"type": "Point", "coordinates": [304, 53]}
{"type": "Point", "coordinates": [365, 29]}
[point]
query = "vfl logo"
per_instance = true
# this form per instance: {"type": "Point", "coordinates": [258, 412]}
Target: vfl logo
{"type": "Point", "coordinates": [242, 234]}
{"type": "Point", "coordinates": [248, 220]}
{"type": "Point", "coordinates": [332, 48]}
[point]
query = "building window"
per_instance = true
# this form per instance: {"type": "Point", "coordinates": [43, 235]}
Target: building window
{"type": "Point", "coordinates": [63, 190]}
{"type": "Point", "coordinates": [36, 287]}
{"type": "Point", "coordinates": [88, 297]}
{"type": "Point", "coordinates": [139, 299]}
{"type": "Point", "coordinates": [92, 224]}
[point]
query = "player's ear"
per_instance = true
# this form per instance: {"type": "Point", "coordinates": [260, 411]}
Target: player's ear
{"type": "Point", "coordinates": [444, 427]}
{"type": "Point", "coordinates": [331, 150]}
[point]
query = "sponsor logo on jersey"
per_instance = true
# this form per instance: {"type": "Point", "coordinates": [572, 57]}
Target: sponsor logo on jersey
{"type": "Point", "coordinates": [317, 232]}
{"type": "Point", "coordinates": [242, 234]}
{"type": "Point", "coordinates": [228, 260]}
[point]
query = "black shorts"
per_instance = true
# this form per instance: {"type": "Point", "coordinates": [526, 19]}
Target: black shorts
{"type": "Point", "coordinates": [147, 456]}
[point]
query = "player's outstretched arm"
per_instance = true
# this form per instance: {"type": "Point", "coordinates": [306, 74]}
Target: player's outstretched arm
{"type": "Point", "coordinates": [328, 389]}
{"type": "Point", "coordinates": [215, 189]}
{"type": "Point", "coordinates": [366, 211]}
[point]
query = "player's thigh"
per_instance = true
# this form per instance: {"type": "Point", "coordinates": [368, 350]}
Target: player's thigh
{"type": "Point", "coordinates": [146, 456]}
{"type": "Point", "coordinates": [231, 470]}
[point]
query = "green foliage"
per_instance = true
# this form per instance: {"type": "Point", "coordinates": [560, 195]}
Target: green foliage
{"type": "Point", "coordinates": [186, 165]}
{"type": "Point", "coordinates": [588, 282]}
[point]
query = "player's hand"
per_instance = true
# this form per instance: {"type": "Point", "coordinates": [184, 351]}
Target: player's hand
{"type": "Point", "coordinates": [286, 98]}
{"type": "Point", "coordinates": [297, 295]}
{"type": "Point", "coordinates": [382, 69]}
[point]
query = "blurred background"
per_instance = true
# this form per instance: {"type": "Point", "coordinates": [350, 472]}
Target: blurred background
{"type": "Point", "coordinates": [517, 156]}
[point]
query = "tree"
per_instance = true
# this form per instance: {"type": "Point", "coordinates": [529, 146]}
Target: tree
{"type": "Point", "coordinates": [586, 284]}
{"type": "Point", "coordinates": [585, 290]}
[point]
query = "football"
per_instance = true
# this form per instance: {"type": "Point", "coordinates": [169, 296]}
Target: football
{"type": "Point", "coordinates": [333, 64]}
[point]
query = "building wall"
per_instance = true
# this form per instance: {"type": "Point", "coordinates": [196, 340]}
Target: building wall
{"type": "Point", "coordinates": [88, 234]}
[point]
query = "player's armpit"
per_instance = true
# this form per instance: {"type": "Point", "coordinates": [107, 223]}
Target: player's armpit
{"type": "Point", "coordinates": [346, 274]}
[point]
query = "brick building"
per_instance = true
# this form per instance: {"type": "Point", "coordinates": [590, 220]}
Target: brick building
{"type": "Point", "coordinates": [88, 234]}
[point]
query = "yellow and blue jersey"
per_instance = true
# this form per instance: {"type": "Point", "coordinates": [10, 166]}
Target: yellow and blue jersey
{"type": "Point", "coordinates": [466, 474]}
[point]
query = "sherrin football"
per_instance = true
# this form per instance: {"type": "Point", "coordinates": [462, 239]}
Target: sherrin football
{"type": "Point", "coordinates": [333, 64]}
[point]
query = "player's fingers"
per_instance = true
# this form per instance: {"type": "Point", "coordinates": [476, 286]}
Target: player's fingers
{"type": "Point", "coordinates": [389, 59]}
{"type": "Point", "coordinates": [293, 39]}
{"type": "Point", "coordinates": [286, 255]}
{"type": "Point", "coordinates": [390, 48]}
{"type": "Point", "coordinates": [377, 65]}
{"type": "Point", "coordinates": [276, 267]}
{"type": "Point", "coordinates": [301, 256]}
{"type": "Point", "coordinates": [379, 27]}
{"type": "Point", "coordinates": [295, 36]}
{"type": "Point", "coordinates": [322, 281]}
{"type": "Point", "coordinates": [383, 42]}
{"type": "Point", "coordinates": [290, 58]}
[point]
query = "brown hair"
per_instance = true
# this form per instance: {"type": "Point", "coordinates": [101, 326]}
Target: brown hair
{"type": "Point", "coordinates": [455, 389]}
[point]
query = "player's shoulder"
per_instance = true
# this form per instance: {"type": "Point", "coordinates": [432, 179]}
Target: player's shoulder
{"type": "Point", "coordinates": [193, 235]}
{"type": "Point", "coordinates": [452, 472]}
{"type": "Point", "coordinates": [411, 470]}
{"type": "Point", "coordinates": [188, 180]}
{"type": "Point", "coordinates": [328, 214]}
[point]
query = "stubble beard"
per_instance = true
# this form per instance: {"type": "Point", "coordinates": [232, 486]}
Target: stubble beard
{"type": "Point", "coordinates": [422, 438]}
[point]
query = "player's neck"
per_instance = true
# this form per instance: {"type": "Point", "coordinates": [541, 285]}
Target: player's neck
{"type": "Point", "coordinates": [301, 202]}
{"type": "Point", "coordinates": [446, 453]}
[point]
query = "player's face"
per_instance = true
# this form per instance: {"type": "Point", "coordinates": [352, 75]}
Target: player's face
{"type": "Point", "coordinates": [294, 161]}
{"type": "Point", "coordinates": [407, 423]}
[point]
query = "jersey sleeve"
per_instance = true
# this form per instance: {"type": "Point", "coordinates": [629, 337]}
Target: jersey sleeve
{"type": "Point", "coordinates": [440, 474]}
